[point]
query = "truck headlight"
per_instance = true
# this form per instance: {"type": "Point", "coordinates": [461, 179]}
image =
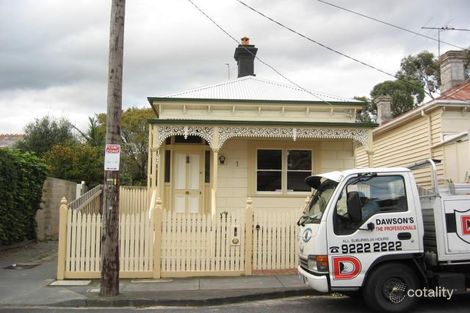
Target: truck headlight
{"type": "Point", "coordinates": [318, 263]}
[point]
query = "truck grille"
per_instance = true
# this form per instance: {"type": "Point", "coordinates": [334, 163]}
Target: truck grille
{"type": "Point", "coordinates": [303, 263]}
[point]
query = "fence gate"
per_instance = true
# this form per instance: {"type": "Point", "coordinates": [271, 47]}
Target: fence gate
{"type": "Point", "coordinates": [199, 245]}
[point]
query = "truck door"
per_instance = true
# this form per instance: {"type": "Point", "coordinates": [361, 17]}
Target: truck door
{"type": "Point", "coordinates": [372, 218]}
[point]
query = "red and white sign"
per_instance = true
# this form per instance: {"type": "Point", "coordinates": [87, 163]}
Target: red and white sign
{"type": "Point", "coordinates": [112, 156]}
{"type": "Point", "coordinates": [465, 222]}
{"type": "Point", "coordinates": [346, 267]}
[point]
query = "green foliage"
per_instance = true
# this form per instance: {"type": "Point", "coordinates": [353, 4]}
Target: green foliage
{"type": "Point", "coordinates": [22, 176]}
{"type": "Point", "coordinates": [423, 67]}
{"type": "Point", "coordinates": [405, 94]}
{"type": "Point", "coordinates": [134, 146]}
{"type": "Point", "coordinates": [76, 162]}
{"type": "Point", "coordinates": [369, 110]}
{"type": "Point", "coordinates": [43, 134]}
{"type": "Point", "coordinates": [95, 135]}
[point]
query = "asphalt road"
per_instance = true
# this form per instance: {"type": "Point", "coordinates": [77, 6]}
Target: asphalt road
{"type": "Point", "coordinates": [292, 305]}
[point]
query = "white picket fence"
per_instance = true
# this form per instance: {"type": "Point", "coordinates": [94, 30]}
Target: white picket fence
{"type": "Point", "coordinates": [275, 243]}
{"type": "Point", "coordinates": [197, 244]}
{"type": "Point", "coordinates": [162, 243]}
{"type": "Point", "coordinates": [134, 199]}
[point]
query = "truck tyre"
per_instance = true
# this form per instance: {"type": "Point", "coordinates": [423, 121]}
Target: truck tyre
{"type": "Point", "coordinates": [386, 288]}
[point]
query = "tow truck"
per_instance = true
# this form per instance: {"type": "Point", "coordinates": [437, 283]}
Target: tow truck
{"type": "Point", "coordinates": [373, 232]}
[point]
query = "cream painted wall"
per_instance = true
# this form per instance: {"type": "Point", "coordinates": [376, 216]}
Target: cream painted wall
{"type": "Point", "coordinates": [455, 121]}
{"type": "Point", "coordinates": [336, 155]}
{"type": "Point", "coordinates": [233, 176]}
{"type": "Point", "coordinates": [457, 164]}
{"type": "Point", "coordinates": [236, 179]}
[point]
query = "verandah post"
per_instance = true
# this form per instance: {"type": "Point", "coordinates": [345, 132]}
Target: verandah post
{"type": "Point", "coordinates": [63, 211]}
{"type": "Point", "coordinates": [249, 236]}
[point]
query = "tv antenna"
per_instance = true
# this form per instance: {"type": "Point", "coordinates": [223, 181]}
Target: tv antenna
{"type": "Point", "coordinates": [441, 29]}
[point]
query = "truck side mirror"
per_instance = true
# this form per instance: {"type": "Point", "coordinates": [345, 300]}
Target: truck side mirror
{"type": "Point", "coordinates": [354, 207]}
{"type": "Point", "coordinates": [370, 226]}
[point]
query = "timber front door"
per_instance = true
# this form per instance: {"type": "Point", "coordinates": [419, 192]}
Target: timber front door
{"type": "Point", "coordinates": [187, 186]}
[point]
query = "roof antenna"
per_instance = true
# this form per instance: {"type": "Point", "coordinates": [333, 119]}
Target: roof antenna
{"type": "Point", "coordinates": [439, 30]}
{"type": "Point", "coordinates": [228, 70]}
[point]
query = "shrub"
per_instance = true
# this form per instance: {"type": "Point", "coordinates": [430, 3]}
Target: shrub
{"type": "Point", "coordinates": [22, 176]}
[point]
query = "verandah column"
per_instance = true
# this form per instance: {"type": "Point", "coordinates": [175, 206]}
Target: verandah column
{"type": "Point", "coordinates": [215, 167]}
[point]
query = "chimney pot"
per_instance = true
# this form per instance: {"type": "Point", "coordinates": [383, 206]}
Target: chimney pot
{"type": "Point", "coordinates": [452, 65]}
{"type": "Point", "coordinates": [245, 41]}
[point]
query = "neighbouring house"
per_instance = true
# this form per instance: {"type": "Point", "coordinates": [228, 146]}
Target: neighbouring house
{"type": "Point", "coordinates": [212, 147]}
{"type": "Point", "coordinates": [9, 140]}
{"type": "Point", "coordinates": [438, 129]}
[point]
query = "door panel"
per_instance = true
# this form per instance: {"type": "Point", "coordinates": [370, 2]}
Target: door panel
{"type": "Point", "coordinates": [180, 204]}
{"type": "Point", "coordinates": [187, 182]}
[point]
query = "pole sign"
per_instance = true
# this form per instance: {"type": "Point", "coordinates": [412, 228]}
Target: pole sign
{"type": "Point", "coordinates": [111, 157]}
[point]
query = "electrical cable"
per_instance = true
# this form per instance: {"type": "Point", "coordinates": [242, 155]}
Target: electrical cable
{"type": "Point", "coordinates": [390, 24]}
{"type": "Point", "coordinates": [255, 56]}
{"type": "Point", "coordinates": [315, 41]}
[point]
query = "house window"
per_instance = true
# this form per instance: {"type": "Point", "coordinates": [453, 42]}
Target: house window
{"type": "Point", "coordinates": [167, 166]}
{"type": "Point", "coordinates": [299, 167]}
{"type": "Point", "coordinates": [283, 170]}
{"type": "Point", "coordinates": [269, 170]}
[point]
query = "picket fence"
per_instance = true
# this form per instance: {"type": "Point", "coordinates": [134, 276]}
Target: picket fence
{"type": "Point", "coordinates": [161, 243]}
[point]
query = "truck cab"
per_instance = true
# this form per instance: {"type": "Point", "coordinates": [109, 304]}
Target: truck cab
{"type": "Point", "coordinates": [363, 232]}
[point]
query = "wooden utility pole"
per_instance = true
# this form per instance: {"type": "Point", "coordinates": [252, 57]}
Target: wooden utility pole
{"type": "Point", "coordinates": [110, 226]}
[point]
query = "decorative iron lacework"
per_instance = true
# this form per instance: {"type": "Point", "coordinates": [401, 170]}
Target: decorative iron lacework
{"type": "Point", "coordinates": [225, 133]}
{"type": "Point", "coordinates": [205, 132]}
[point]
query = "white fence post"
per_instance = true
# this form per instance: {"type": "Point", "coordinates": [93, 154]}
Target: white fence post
{"type": "Point", "coordinates": [63, 210]}
{"type": "Point", "coordinates": [249, 236]}
{"type": "Point", "coordinates": [157, 248]}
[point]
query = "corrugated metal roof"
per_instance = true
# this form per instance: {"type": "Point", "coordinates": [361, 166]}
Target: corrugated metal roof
{"type": "Point", "coordinates": [253, 88]}
{"type": "Point", "coordinates": [460, 92]}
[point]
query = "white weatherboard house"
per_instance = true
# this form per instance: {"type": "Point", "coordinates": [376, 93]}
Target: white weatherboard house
{"type": "Point", "coordinates": [213, 147]}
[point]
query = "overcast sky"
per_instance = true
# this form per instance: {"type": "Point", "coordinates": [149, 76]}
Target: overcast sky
{"type": "Point", "coordinates": [53, 53]}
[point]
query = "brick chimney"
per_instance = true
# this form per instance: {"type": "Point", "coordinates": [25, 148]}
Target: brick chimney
{"type": "Point", "coordinates": [245, 56]}
{"type": "Point", "coordinates": [384, 109]}
{"type": "Point", "coordinates": [452, 69]}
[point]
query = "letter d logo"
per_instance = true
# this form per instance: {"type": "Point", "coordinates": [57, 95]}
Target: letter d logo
{"type": "Point", "coordinates": [346, 267]}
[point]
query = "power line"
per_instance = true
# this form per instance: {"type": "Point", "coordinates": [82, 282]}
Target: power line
{"type": "Point", "coordinates": [387, 23]}
{"type": "Point", "coordinates": [439, 30]}
{"type": "Point", "coordinates": [315, 41]}
{"type": "Point", "coordinates": [254, 55]}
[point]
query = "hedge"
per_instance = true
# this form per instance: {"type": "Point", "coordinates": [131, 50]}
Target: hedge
{"type": "Point", "coordinates": [22, 176]}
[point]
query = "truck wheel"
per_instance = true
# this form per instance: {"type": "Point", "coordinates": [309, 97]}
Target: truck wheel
{"type": "Point", "coordinates": [386, 288]}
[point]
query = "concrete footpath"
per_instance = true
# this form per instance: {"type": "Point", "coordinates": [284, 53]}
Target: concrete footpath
{"type": "Point", "coordinates": [26, 275]}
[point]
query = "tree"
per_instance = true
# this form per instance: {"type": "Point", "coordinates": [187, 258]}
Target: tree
{"type": "Point", "coordinates": [76, 162]}
{"type": "Point", "coordinates": [423, 67]}
{"type": "Point", "coordinates": [405, 94]}
{"type": "Point", "coordinates": [42, 134]}
{"type": "Point", "coordinates": [369, 110]}
{"type": "Point", "coordinates": [94, 135]}
{"type": "Point", "coordinates": [134, 146]}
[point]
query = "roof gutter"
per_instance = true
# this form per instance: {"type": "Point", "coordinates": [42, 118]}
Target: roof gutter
{"type": "Point", "coordinates": [419, 111]}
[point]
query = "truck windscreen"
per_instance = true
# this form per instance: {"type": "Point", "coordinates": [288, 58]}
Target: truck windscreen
{"type": "Point", "coordinates": [319, 201]}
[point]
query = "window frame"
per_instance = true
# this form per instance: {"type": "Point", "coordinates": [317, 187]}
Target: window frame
{"type": "Point", "coordinates": [340, 196]}
{"type": "Point", "coordinates": [284, 171]}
